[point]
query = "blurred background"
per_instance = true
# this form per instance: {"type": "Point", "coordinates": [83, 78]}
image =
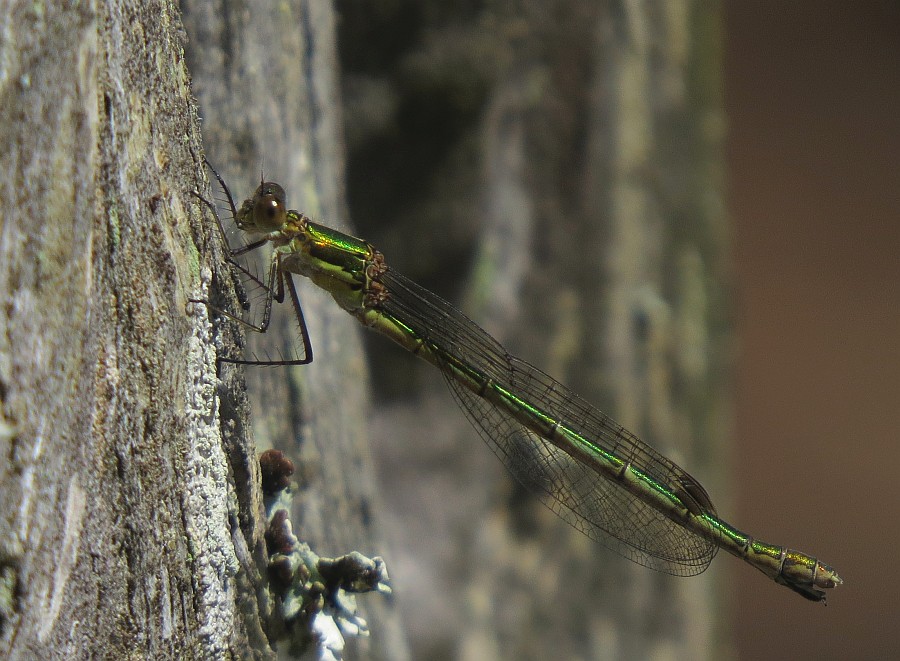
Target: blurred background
{"type": "Point", "coordinates": [813, 106]}
{"type": "Point", "coordinates": [810, 278]}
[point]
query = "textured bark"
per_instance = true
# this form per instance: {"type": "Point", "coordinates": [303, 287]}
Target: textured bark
{"type": "Point", "coordinates": [120, 531]}
{"type": "Point", "coordinates": [131, 524]}
{"type": "Point", "coordinates": [581, 142]}
{"type": "Point", "coordinates": [265, 77]}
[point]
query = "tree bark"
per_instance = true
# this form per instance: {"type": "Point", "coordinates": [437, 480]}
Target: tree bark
{"type": "Point", "coordinates": [131, 502]}
{"type": "Point", "coordinates": [265, 78]}
{"type": "Point", "coordinates": [121, 522]}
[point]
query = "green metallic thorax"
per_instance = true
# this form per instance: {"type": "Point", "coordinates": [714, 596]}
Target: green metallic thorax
{"type": "Point", "coordinates": [334, 261]}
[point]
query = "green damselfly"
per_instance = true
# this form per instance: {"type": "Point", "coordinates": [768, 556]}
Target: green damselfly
{"type": "Point", "coordinates": [588, 469]}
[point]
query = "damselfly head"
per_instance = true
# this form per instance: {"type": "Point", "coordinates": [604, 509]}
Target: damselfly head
{"type": "Point", "coordinates": [266, 211]}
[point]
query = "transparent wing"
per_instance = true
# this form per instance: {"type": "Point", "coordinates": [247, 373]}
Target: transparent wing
{"type": "Point", "coordinates": [595, 505]}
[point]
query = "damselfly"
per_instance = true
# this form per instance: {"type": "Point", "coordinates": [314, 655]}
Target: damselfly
{"type": "Point", "coordinates": [588, 469]}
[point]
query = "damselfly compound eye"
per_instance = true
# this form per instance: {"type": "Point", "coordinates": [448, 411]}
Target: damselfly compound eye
{"type": "Point", "coordinates": [269, 206]}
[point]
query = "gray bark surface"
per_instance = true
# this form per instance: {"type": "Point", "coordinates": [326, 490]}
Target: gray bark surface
{"type": "Point", "coordinates": [121, 530]}
{"type": "Point", "coordinates": [132, 524]}
{"type": "Point", "coordinates": [266, 81]}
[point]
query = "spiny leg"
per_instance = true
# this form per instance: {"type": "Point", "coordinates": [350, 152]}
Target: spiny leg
{"type": "Point", "coordinates": [273, 288]}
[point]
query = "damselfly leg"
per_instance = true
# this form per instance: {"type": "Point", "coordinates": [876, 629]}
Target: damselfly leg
{"type": "Point", "coordinates": [256, 295]}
